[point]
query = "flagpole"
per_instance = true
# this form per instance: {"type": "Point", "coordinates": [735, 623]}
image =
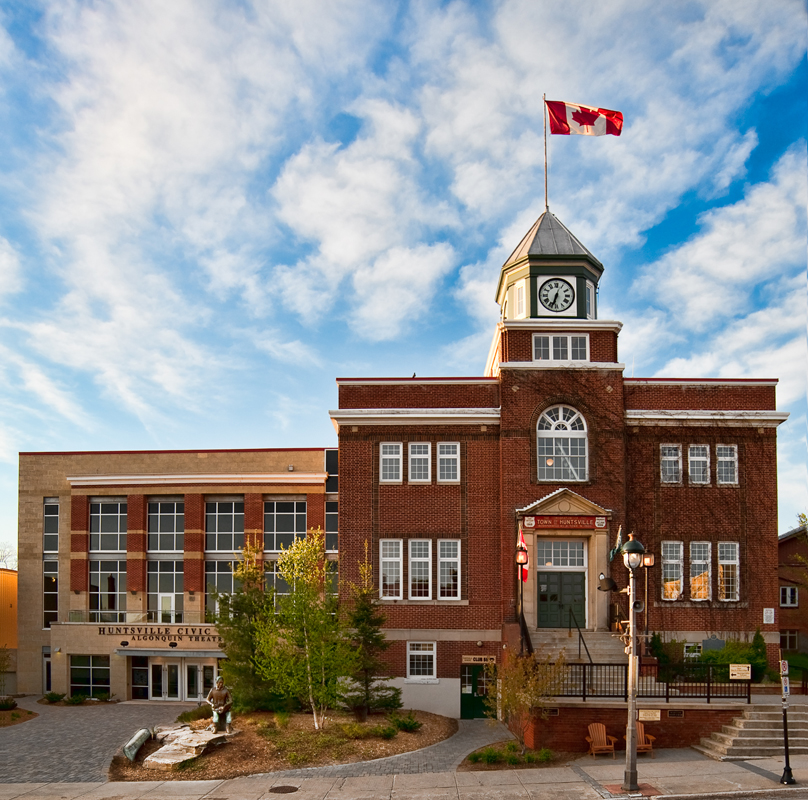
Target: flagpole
{"type": "Point", "coordinates": [544, 110]}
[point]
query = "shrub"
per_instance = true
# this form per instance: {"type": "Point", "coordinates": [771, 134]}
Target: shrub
{"type": "Point", "coordinates": [490, 755]}
{"type": "Point", "coordinates": [512, 758]}
{"type": "Point", "coordinates": [385, 731]}
{"type": "Point", "coordinates": [75, 700]}
{"type": "Point", "coordinates": [7, 703]}
{"type": "Point", "coordinates": [104, 697]}
{"type": "Point", "coordinates": [282, 719]}
{"type": "Point", "coordinates": [530, 758]}
{"type": "Point", "coordinates": [354, 730]}
{"type": "Point", "coordinates": [200, 712]}
{"type": "Point", "coordinates": [475, 758]}
{"type": "Point", "coordinates": [545, 755]}
{"type": "Point", "coordinates": [406, 723]}
{"type": "Point", "coordinates": [54, 697]}
{"type": "Point", "coordinates": [735, 652]}
{"type": "Point", "coordinates": [511, 747]}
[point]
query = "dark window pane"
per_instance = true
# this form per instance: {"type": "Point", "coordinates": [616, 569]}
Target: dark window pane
{"type": "Point", "coordinates": [284, 522]}
{"type": "Point", "coordinates": [285, 508]}
{"type": "Point", "coordinates": [51, 525]}
{"type": "Point", "coordinates": [51, 602]}
{"type": "Point", "coordinates": [180, 541]}
{"type": "Point", "coordinates": [300, 525]}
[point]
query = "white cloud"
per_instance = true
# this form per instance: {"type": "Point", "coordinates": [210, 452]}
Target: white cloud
{"type": "Point", "coordinates": [10, 273]}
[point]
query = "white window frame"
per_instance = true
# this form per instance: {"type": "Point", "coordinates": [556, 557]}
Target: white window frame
{"type": "Point", "coordinates": [422, 647]}
{"type": "Point", "coordinates": [50, 519]}
{"type": "Point", "coordinates": [789, 597]}
{"type": "Point", "coordinates": [668, 458]}
{"type": "Point", "coordinates": [551, 348]}
{"type": "Point", "coordinates": [670, 559]}
{"type": "Point", "coordinates": [419, 560]}
{"type": "Point", "coordinates": [519, 298]}
{"type": "Point", "coordinates": [96, 521]}
{"type": "Point", "coordinates": [449, 458]}
{"type": "Point", "coordinates": [394, 458]}
{"type": "Point", "coordinates": [590, 300]}
{"type": "Point", "coordinates": [691, 460]}
{"type": "Point", "coordinates": [725, 459]}
{"type": "Point", "coordinates": [418, 458]}
{"type": "Point", "coordinates": [705, 562]}
{"type": "Point", "coordinates": [736, 562]}
{"type": "Point", "coordinates": [560, 430]}
{"type": "Point", "coordinates": [391, 559]}
{"type": "Point", "coordinates": [454, 559]}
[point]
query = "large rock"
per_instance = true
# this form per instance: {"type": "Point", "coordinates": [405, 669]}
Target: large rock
{"type": "Point", "coordinates": [181, 745]}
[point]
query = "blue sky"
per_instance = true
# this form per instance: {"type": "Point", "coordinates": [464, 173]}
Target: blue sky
{"type": "Point", "coordinates": [210, 210]}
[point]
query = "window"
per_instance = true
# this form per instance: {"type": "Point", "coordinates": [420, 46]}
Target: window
{"type": "Point", "coordinates": [166, 526]}
{"type": "Point", "coordinates": [420, 569]}
{"type": "Point", "coordinates": [50, 526]}
{"type": "Point", "coordinates": [224, 525]}
{"type": "Point", "coordinates": [108, 591]}
{"type": "Point", "coordinates": [218, 578]}
{"type": "Point", "coordinates": [420, 462]}
{"type": "Point", "coordinates": [140, 677]}
{"type": "Point", "coordinates": [165, 587]}
{"type": "Point", "coordinates": [332, 526]}
{"type": "Point", "coordinates": [421, 660]}
{"type": "Point", "coordinates": [789, 640]}
{"type": "Point", "coordinates": [561, 445]}
{"type": "Point", "coordinates": [726, 468]}
{"type": "Point", "coordinates": [672, 570]}
{"type": "Point", "coordinates": [559, 554]}
{"type": "Point", "coordinates": [698, 463]}
{"type": "Point", "coordinates": [692, 652]}
{"type": "Point", "coordinates": [448, 569]}
{"type": "Point", "coordinates": [520, 300]}
{"type": "Point", "coordinates": [789, 596]}
{"type": "Point", "coordinates": [284, 521]}
{"type": "Point", "coordinates": [590, 300]}
{"type": "Point", "coordinates": [108, 526]}
{"type": "Point", "coordinates": [273, 580]}
{"type": "Point", "coordinates": [670, 463]}
{"type": "Point", "coordinates": [390, 466]}
{"type": "Point", "coordinates": [89, 675]}
{"type": "Point", "coordinates": [728, 571]}
{"type": "Point", "coordinates": [700, 573]}
{"type": "Point", "coordinates": [390, 557]}
{"type": "Point", "coordinates": [448, 462]}
{"type": "Point", "coordinates": [566, 347]}
{"type": "Point", "coordinates": [50, 592]}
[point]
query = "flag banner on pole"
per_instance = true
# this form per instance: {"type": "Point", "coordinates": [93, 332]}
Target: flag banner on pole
{"type": "Point", "coordinates": [522, 570]}
{"type": "Point", "coordinates": [567, 118]}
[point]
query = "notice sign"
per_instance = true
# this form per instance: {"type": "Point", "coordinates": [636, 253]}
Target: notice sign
{"type": "Point", "coordinates": [786, 688]}
{"type": "Point", "coordinates": [479, 660]}
{"type": "Point", "coordinates": [740, 672]}
{"type": "Point", "coordinates": [768, 616]}
{"type": "Point", "coordinates": [649, 715]}
{"type": "Point", "coordinates": [784, 667]}
{"type": "Point", "coordinates": [565, 522]}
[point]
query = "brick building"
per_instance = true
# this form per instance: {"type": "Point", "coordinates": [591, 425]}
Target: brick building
{"type": "Point", "coordinates": [439, 477]}
{"type": "Point", "coordinates": [793, 575]}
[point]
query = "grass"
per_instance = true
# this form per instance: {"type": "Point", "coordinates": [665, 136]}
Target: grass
{"type": "Point", "coordinates": [510, 753]}
{"type": "Point", "coordinates": [200, 712]}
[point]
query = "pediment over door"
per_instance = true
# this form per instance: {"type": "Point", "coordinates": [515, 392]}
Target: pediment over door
{"type": "Point", "coordinates": [564, 502]}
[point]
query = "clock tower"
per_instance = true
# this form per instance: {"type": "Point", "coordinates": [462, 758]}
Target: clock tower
{"type": "Point", "coordinates": [550, 275]}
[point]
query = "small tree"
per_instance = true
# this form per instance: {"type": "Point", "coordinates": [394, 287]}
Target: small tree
{"type": "Point", "coordinates": [303, 649]}
{"type": "Point", "coordinates": [365, 690]}
{"type": "Point", "coordinates": [236, 620]}
{"type": "Point", "coordinates": [524, 686]}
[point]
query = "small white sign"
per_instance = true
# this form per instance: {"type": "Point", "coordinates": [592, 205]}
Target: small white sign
{"type": "Point", "coordinates": [649, 715]}
{"type": "Point", "coordinates": [784, 667]}
{"type": "Point", "coordinates": [768, 616]}
{"type": "Point", "coordinates": [600, 522]}
{"type": "Point", "coordinates": [529, 522]}
{"type": "Point", "coordinates": [740, 672]}
{"type": "Point", "coordinates": [786, 688]}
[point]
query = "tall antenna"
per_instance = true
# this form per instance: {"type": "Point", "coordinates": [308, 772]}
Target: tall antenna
{"type": "Point", "coordinates": [544, 111]}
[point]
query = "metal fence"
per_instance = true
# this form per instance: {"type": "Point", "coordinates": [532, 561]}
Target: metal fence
{"type": "Point", "coordinates": [669, 682]}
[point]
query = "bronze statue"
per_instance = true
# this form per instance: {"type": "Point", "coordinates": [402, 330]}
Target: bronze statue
{"type": "Point", "coordinates": [221, 701]}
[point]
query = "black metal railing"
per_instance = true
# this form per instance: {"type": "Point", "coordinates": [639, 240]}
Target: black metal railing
{"type": "Point", "coordinates": [668, 682]}
{"type": "Point", "coordinates": [524, 632]}
{"type": "Point", "coordinates": [581, 640]}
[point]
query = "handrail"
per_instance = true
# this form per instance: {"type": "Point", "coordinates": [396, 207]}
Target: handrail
{"type": "Point", "coordinates": [527, 642]}
{"type": "Point", "coordinates": [581, 639]}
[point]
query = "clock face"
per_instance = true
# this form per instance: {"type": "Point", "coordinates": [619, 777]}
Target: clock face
{"type": "Point", "coordinates": [556, 294]}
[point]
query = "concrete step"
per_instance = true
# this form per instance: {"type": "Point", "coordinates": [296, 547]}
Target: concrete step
{"type": "Point", "coordinates": [720, 755]}
{"type": "Point", "coordinates": [603, 647]}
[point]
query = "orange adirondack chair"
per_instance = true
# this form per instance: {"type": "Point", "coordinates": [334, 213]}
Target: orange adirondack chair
{"type": "Point", "coordinates": [645, 742]}
{"type": "Point", "coordinates": [599, 741]}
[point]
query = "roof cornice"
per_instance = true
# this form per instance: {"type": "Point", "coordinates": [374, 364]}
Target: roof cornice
{"type": "Point", "coordinates": [414, 381]}
{"type": "Point", "coordinates": [196, 479]}
{"type": "Point", "coordinates": [564, 323]}
{"type": "Point", "coordinates": [703, 381]}
{"type": "Point", "coordinates": [703, 418]}
{"type": "Point", "coordinates": [414, 416]}
{"type": "Point", "coordinates": [577, 366]}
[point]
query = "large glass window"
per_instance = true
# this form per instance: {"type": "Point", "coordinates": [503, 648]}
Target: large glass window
{"type": "Point", "coordinates": [726, 468]}
{"type": "Point", "coordinates": [50, 526]}
{"type": "Point", "coordinates": [420, 462]}
{"type": "Point", "coordinates": [700, 572]}
{"type": "Point", "coordinates": [789, 596]}
{"type": "Point", "coordinates": [672, 570]}
{"type": "Point", "coordinates": [390, 462]}
{"type": "Point", "coordinates": [421, 660]}
{"type": "Point", "coordinates": [561, 445]}
{"type": "Point", "coordinates": [284, 521]}
{"type": "Point", "coordinates": [420, 569]}
{"type": "Point", "coordinates": [565, 347]}
{"type": "Point", "coordinates": [218, 578]}
{"type": "Point", "coordinates": [698, 463]}
{"type": "Point", "coordinates": [391, 571]}
{"type": "Point", "coordinates": [166, 526]}
{"type": "Point", "coordinates": [108, 526]}
{"type": "Point", "coordinates": [224, 525]}
{"type": "Point", "coordinates": [274, 580]}
{"type": "Point", "coordinates": [448, 569]}
{"type": "Point", "coordinates": [107, 591]}
{"type": "Point", "coordinates": [728, 571]}
{"type": "Point", "coordinates": [331, 526]}
{"type": "Point", "coordinates": [50, 592]}
{"type": "Point", "coordinates": [89, 675]}
{"type": "Point", "coordinates": [551, 553]}
{"type": "Point", "coordinates": [670, 463]}
{"type": "Point", "coordinates": [448, 462]}
{"type": "Point", "coordinates": [165, 587]}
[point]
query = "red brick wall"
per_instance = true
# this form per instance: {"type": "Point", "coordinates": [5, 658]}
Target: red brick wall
{"type": "Point", "coordinates": [254, 519]}
{"type": "Point", "coordinates": [136, 527]}
{"type": "Point", "coordinates": [519, 345]}
{"type": "Point", "coordinates": [194, 578]}
{"type": "Point", "coordinates": [315, 510]}
{"type": "Point", "coordinates": [410, 393]}
{"type": "Point", "coordinates": [703, 397]}
{"type": "Point", "coordinates": [568, 731]}
{"type": "Point", "coordinates": [79, 543]}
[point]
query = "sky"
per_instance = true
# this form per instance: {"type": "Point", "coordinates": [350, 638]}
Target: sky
{"type": "Point", "coordinates": [210, 210]}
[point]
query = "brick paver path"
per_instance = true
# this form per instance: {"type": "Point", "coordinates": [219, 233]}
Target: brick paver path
{"type": "Point", "coordinates": [68, 744]}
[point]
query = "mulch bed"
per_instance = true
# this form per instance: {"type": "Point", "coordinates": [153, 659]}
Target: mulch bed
{"type": "Point", "coordinates": [15, 716]}
{"type": "Point", "coordinates": [505, 749]}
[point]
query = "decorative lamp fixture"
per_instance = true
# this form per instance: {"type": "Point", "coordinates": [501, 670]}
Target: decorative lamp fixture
{"type": "Point", "coordinates": [172, 644]}
{"type": "Point", "coordinates": [632, 553]}
{"type": "Point", "coordinates": [291, 468]}
{"type": "Point", "coordinates": [124, 644]}
{"type": "Point", "coordinates": [648, 560]}
{"type": "Point", "coordinates": [606, 584]}
{"type": "Point", "coordinates": [522, 556]}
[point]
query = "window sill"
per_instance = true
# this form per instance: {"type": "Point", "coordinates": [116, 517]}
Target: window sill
{"type": "Point", "coordinates": [422, 680]}
{"type": "Point", "coordinates": [388, 601]}
{"type": "Point", "coordinates": [681, 603]}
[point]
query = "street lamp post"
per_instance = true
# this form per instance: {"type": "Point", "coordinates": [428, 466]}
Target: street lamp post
{"type": "Point", "coordinates": [632, 558]}
{"type": "Point", "coordinates": [522, 559]}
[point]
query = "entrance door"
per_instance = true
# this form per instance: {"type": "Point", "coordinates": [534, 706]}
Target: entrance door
{"type": "Point", "coordinates": [172, 681]}
{"type": "Point", "coordinates": [165, 682]}
{"type": "Point", "coordinates": [558, 593]}
{"type": "Point", "coordinates": [198, 680]}
{"type": "Point", "coordinates": [475, 684]}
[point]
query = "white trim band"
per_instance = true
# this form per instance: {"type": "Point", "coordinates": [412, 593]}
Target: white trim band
{"type": "Point", "coordinates": [702, 381]}
{"type": "Point", "coordinates": [415, 381]}
{"type": "Point", "coordinates": [563, 365]}
{"type": "Point", "coordinates": [552, 324]}
{"type": "Point", "coordinates": [698, 417]}
{"type": "Point", "coordinates": [415, 416]}
{"type": "Point", "coordinates": [191, 479]}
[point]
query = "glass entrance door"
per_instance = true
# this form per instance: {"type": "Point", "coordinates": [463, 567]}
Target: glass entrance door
{"type": "Point", "coordinates": [198, 680]}
{"type": "Point", "coordinates": [166, 682]}
{"type": "Point", "coordinates": [172, 681]}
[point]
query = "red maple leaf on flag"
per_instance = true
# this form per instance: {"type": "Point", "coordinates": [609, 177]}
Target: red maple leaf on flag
{"type": "Point", "coordinates": [585, 118]}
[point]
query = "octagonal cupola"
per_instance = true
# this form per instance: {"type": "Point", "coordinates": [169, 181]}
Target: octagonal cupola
{"type": "Point", "coordinates": [550, 275]}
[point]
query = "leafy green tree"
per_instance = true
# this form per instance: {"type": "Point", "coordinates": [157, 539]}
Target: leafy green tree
{"type": "Point", "coordinates": [302, 649]}
{"type": "Point", "coordinates": [525, 687]}
{"type": "Point", "coordinates": [365, 690]}
{"type": "Point", "coordinates": [237, 619]}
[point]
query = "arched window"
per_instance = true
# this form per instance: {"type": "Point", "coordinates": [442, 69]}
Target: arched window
{"type": "Point", "coordinates": [561, 445]}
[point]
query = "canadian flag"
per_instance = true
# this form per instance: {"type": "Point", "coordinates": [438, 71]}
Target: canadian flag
{"type": "Point", "coordinates": [567, 118]}
{"type": "Point", "coordinates": [522, 570]}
